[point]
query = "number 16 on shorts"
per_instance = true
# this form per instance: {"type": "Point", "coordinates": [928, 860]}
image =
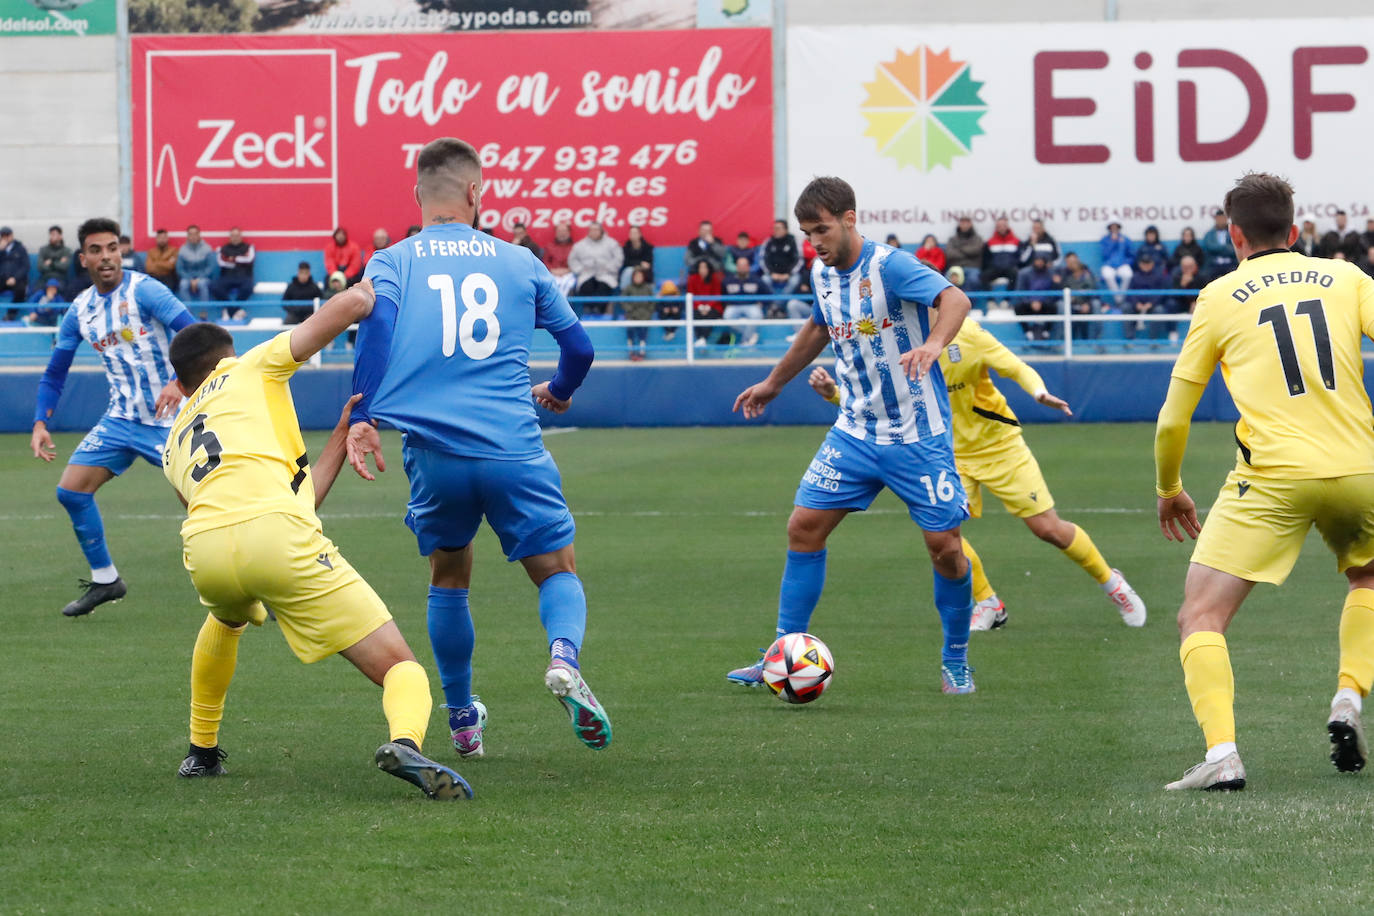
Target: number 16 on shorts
{"type": "Point", "coordinates": [940, 490]}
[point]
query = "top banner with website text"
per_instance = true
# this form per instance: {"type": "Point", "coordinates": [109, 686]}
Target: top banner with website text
{"type": "Point", "coordinates": [289, 137]}
{"type": "Point", "coordinates": [1080, 124]}
{"type": "Point", "coordinates": [57, 17]}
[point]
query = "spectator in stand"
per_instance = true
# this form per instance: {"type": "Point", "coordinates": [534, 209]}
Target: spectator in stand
{"type": "Point", "coordinates": [965, 249]}
{"type": "Point", "coordinates": [808, 255]}
{"type": "Point", "coordinates": [1367, 265]}
{"type": "Point", "coordinates": [235, 281]}
{"type": "Point", "coordinates": [160, 262]}
{"type": "Point", "coordinates": [999, 256]}
{"type": "Point", "coordinates": [302, 288]}
{"type": "Point", "coordinates": [48, 304]}
{"type": "Point", "coordinates": [705, 247]}
{"type": "Point", "coordinates": [196, 262]}
{"type": "Point", "coordinates": [1187, 277]}
{"type": "Point", "coordinates": [381, 240]}
{"type": "Point", "coordinates": [744, 247]}
{"type": "Point", "coordinates": [781, 260]}
{"type": "Point", "coordinates": [931, 254]}
{"type": "Point", "coordinates": [556, 260]}
{"type": "Point", "coordinates": [1037, 279]}
{"type": "Point", "coordinates": [14, 271]}
{"type": "Point", "coordinates": [413, 229]}
{"type": "Point", "coordinates": [1040, 242]}
{"type": "Point", "coordinates": [637, 339]}
{"type": "Point", "coordinates": [128, 258]}
{"type": "Point", "coordinates": [1148, 275]}
{"type": "Point", "coordinates": [1078, 278]}
{"type": "Point", "coordinates": [519, 236]}
{"type": "Point", "coordinates": [1217, 250]}
{"type": "Point", "coordinates": [1367, 237]}
{"type": "Point", "coordinates": [1307, 242]}
{"type": "Point", "coordinates": [670, 308]}
{"type": "Point", "coordinates": [1343, 240]}
{"type": "Point", "coordinates": [956, 276]}
{"type": "Point", "coordinates": [1187, 247]}
{"type": "Point", "coordinates": [637, 254]}
{"type": "Point", "coordinates": [54, 259]}
{"type": "Point", "coordinates": [799, 309]}
{"type": "Point", "coordinates": [705, 282]}
{"type": "Point", "coordinates": [596, 259]}
{"type": "Point", "coordinates": [1116, 260]}
{"type": "Point", "coordinates": [745, 281]}
{"type": "Point", "coordinates": [892, 241]}
{"type": "Point", "coordinates": [337, 283]}
{"type": "Point", "coordinates": [343, 256]}
{"type": "Point", "coordinates": [1158, 253]}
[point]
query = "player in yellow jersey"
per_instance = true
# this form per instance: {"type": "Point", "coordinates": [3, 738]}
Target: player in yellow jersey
{"type": "Point", "coordinates": [1285, 329]}
{"type": "Point", "coordinates": [251, 537]}
{"type": "Point", "coordinates": [990, 452]}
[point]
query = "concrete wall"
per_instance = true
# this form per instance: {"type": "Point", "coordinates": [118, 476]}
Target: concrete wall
{"type": "Point", "coordinates": [59, 134]}
{"type": "Point", "coordinates": [879, 12]}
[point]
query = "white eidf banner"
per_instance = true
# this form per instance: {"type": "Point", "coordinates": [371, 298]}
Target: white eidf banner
{"type": "Point", "coordinates": [1081, 124]}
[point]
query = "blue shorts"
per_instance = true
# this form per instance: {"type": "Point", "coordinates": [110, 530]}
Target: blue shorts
{"type": "Point", "coordinates": [522, 500]}
{"type": "Point", "coordinates": [115, 443]}
{"type": "Point", "coordinates": [847, 473]}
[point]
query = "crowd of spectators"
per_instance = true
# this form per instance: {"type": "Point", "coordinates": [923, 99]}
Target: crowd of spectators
{"type": "Point", "coordinates": [608, 278]}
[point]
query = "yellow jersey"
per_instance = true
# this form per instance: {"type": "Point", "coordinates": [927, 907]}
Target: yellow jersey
{"type": "Point", "coordinates": [235, 450]}
{"type": "Point", "coordinates": [983, 421]}
{"type": "Point", "coordinates": [1286, 330]}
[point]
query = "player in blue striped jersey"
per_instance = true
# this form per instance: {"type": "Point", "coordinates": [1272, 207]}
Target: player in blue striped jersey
{"type": "Point", "coordinates": [872, 306]}
{"type": "Point", "coordinates": [129, 318]}
{"type": "Point", "coordinates": [444, 357]}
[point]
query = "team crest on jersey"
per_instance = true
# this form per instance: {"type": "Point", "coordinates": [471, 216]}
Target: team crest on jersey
{"type": "Point", "coordinates": [865, 288]}
{"type": "Point", "coordinates": [955, 354]}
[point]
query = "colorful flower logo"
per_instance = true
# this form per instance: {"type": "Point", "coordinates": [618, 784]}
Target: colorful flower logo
{"type": "Point", "coordinates": [923, 108]}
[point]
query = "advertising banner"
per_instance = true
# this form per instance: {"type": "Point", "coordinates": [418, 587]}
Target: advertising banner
{"type": "Point", "coordinates": [1146, 123]}
{"type": "Point", "coordinates": [57, 17]}
{"type": "Point", "coordinates": [289, 137]}
{"type": "Point", "coordinates": [338, 16]}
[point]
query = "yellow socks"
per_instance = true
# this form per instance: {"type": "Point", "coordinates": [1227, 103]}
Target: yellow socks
{"type": "Point", "coordinates": [982, 588]}
{"type": "Point", "coordinates": [1207, 675]}
{"type": "Point", "coordinates": [1357, 641]}
{"type": "Point", "coordinates": [406, 701]}
{"type": "Point", "coordinates": [212, 668]}
{"type": "Point", "coordinates": [1084, 552]}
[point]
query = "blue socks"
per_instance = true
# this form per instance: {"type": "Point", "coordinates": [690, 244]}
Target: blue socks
{"type": "Point", "coordinates": [452, 636]}
{"type": "Point", "coordinates": [90, 530]}
{"type": "Point", "coordinates": [954, 601]}
{"type": "Point", "coordinates": [563, 612]}
{"type": "Point", "coordinates": [803, 578]}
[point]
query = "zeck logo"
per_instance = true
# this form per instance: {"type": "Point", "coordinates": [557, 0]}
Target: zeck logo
{"type": "Point", "coordinates": [282, 150]}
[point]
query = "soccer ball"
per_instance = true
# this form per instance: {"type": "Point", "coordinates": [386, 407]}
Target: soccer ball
{"type": "Point", "coordinates": [797, 667]}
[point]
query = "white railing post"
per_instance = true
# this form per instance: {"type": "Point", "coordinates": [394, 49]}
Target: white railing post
{"type": "Point", "coordinates": [689, 332]}
{"type": "Point", "coordinates": [1068, 324]}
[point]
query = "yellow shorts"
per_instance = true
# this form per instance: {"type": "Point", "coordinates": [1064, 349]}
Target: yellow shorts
{"type": "Point", "coordinates": [1012, 475]}
{"type": "Point", "coordinates": [1257, 525]}
{"type": "Point", "coordinates": [322, 605]}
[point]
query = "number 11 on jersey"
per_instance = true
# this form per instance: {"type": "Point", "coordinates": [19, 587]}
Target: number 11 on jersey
{"type": "Point", "coordinates": [462, 331]}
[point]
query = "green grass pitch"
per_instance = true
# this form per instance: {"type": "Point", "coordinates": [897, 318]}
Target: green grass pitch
{"type": "Point", "coordinates": [1042, 793]}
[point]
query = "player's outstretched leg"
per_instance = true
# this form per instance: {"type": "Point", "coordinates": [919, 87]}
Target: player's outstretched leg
{"type": "Point", "coordinates": [212, 669]}
{"type": "Point", "coordinates": [1349, 750]}
{"type": "Point", "coordinates": [452, 635]}
{"type": "Point", "coordinates": [803, 580]}
{"type": "Point", "coordinates": [563, 611]}
{"type": "Point", "coordinates": [1078, 547]}
{"type": "Point", "coordinates": [988, 611]}
{"type": "Point", "coordinates": [104, 584]}
{"type": "Point", "coordinates": [406, 702]}
{"type": "Point", "coordinates": [1211, 688]}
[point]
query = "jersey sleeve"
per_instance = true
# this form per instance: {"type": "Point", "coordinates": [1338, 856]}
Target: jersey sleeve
{"type": "Point", "coordinates": [551, 309]}
{"type": "Point", "coordinates": [1197, 358]}
{"type": "Point", "coordinates": [69, 331]}
{"type": "Point", "coordinates": [163, 305]}
{"type": "Point", "coordinates": [996, 356]}
{"type": "Point", "coordinates": [908, 279]}
{"type": "Point", "coordinates": [273, 358]}
{"type": "Point", "coordinates": [386, 278]}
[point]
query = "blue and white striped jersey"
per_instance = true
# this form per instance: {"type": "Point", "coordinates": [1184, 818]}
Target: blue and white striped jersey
{"type": "Point", "coordinates": [130, 328]}
{"type": "Point", "coordinates": [875, 312]}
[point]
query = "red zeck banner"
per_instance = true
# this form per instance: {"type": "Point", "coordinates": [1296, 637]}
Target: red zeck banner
{"type": "Point", "coordinates": [288, 137]}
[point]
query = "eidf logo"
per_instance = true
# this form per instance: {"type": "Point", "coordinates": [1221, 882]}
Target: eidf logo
{"type": "Point", "coordinates": [923, 108]}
